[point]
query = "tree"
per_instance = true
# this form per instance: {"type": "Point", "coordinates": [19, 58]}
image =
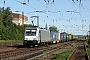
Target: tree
{"type": "Point", "coordinates": [1, 25]}
{"type": "Point", "coordinates": [7, 19]}
{"type": "Point", "coordinates": [6, 24]}
{"type": "Point", "coordinates": [8, 30]}
{"type": "Point", "coordinates": [53, 28]}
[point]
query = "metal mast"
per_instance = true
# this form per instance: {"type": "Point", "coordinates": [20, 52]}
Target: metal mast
{"type": "Point", "coordinates": [22, 18]}
{"type": "Point", "coordinates": [37, 19]}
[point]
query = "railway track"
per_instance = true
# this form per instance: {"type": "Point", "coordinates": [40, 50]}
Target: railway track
{"type": "Point", "coordinates": [78, 53]}
{"type": "Point", "coordinates": [31, 53]}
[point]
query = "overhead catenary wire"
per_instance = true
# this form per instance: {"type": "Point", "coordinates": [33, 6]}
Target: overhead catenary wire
{"type": "Point", "coordinates": [47, 8]}
{"type": "Point", "coordinates": [80, 6]}
{"type": "Point", "coordinates": [42, 4]}
{"type": "Point", "coordinates": [11, 6]}
{"type": "Point", "coordinates": [34, 8]}
{"type": "Point", "coordinates": [16, 9]}
{"type": "Point", "coordinates": [26, 4]}
{"type": "Point", "coordinates": [48, 1]}
{"type": "Point", "coordinates": [51, 11]}
{"type": "Point", "coordinates": [23, 11]}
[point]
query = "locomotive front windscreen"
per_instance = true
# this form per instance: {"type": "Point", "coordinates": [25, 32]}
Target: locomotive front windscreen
{"type": "Point", "coordinates": [30, 32]}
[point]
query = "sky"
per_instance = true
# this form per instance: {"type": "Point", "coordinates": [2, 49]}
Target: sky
{"type": "Point", "coordinates": [76, 21]}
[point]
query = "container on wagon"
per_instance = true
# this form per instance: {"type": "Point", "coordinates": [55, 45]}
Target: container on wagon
{"type": "Point", "coordinates": [53, 35]}
{"type": "Point", "coordinates": [58, 36]}
{"type": "Point", "coordinates": [68, 38]}
{"type": "Point", "coordinates": [71, 37]}
{"type": "Point", "coordinates": [63, 36]}
{"type": "Point", "coordinates": [74, 37]}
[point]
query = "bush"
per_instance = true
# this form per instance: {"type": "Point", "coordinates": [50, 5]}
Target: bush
{"type": "Point", "coordinates": [88, 40]}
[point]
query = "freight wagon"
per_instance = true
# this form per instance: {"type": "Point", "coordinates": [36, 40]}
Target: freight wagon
{"type": "Point", "coordinates": [58, 37]}
{"type": "Point", "coordinates": [55, 37]}
{"type": "Point", "coordinates": [36, 36]}
{"type": "Point", "coordinates": [63, 36]}
{"type": "Point", "coordinates": [75, 37]}
{"type": "Point", "coordinates": [68, 38]}
{"type": "Point", "coordinates": [71, 37]}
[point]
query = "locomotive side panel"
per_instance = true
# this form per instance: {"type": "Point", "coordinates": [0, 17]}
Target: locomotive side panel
{"type": "Point", "coordinates": [44, 35]}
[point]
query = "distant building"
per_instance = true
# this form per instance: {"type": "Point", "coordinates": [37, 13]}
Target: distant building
{"type": "Point", "coordinates": [18, 19]}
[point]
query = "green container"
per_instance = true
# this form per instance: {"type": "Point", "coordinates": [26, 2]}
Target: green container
{"type": "Point", "coordinates": [75, 37]}
{"type": "Point", "coordinates": [68, 38]}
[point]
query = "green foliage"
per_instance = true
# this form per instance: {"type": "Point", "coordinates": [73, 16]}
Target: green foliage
{"type": "Point", "coordinates": [53, 28]}
{"type": "Point", "coordinates": [88, 40]}
{"type": "Point", "coordinates": [88, 48]}
{"type": "Point", "coordinates": [8, 30]}
{"type": "Point", "coordinates": [73, 44]}
{"type": "Point", "coordinates": [6, 18]}
{"type": "Point", "coordinates": [63, 55]}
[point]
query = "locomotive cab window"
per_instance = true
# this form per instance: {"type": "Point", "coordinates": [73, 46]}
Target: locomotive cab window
{"type": "Point", "coordinates": [31, 32]}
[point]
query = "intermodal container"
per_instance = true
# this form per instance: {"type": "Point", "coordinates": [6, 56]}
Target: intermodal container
{"type": "Point", "coordinates": [53, 35]}
{"type": "Point", "coordinates": [63, 36]}
{"type": "Point", "coordinates": [74, 37]}
{"type": "Point", "coordinates": [71, 37]}
{"type": "Point", "coordinates": [68, 38]}
{"type": "Point", "coordinates": [58, 36]}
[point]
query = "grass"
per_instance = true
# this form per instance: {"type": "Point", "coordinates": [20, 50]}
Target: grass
{"type": "Point", "coordinates": [88, 48]}
{"type": "Point", "coordinates": [73, 44]}
{"type": "Point", "coordinates": [63, 56]}
{"type": "Point", "coordinates": [11, 40]}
